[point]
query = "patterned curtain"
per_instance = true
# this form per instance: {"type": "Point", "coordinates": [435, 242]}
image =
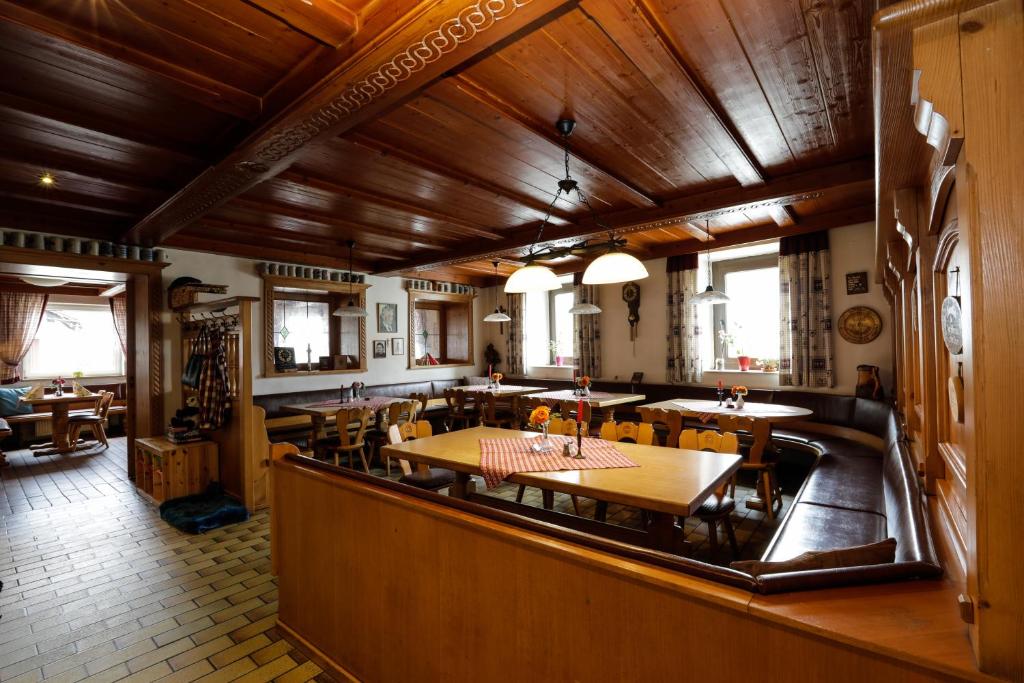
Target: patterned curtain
{"type": "Point", "coordinates": [514, 348]}
{"type": "Point", "coordinates": [119, 309]}
{"type": "Point", "coordinates": [805, 307]}
{"type": "Point", "coordinates": [20, 316]}
{"type": "Point", "coordinates": [586, 330]}
{"type": "Point", "coordinates": [683, 363]}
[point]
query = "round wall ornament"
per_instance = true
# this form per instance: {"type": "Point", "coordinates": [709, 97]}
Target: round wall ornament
{"type": "Point", "coordinates": [860, 325]}
{"type": "Point", "coordinates": [952, 324]}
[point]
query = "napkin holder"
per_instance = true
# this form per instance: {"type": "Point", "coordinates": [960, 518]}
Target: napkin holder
{"type": "Point", "coordinates": [37, 391]}
{"type": "Point", "coordinates": [79, 390]}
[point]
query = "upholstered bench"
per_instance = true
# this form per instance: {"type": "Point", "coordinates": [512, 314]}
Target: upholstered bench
{"type": "Point", "coordinates": [5, 431]}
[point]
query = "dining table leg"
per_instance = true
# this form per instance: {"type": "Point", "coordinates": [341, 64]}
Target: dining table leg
{"type": "Point", "coordinates": [463, 486]}
{"type": "Point", "coordinates": [666, 535]}
{"type": "Point", "coordinates": [61, 436]}
{"type": "Point", "coordinates": [759, 450]}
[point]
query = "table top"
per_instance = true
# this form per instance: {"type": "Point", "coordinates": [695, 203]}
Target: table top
{"type": "Point", "coordinates": [319, 408]}
{"type": "Point", "coordinates": [503, 390]}
{"type": "Point", "coordinates": [671, 480]}
{"type": "Point", "coordinates": [597, 399]}
{"type": "Point", "coordinates": [66, 397]}
{"type": "Point", "coordinates": [772, 412]}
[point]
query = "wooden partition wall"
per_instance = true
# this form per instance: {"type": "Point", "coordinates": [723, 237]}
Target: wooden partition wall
{"type": "Point", "coordinates": [950, 157]}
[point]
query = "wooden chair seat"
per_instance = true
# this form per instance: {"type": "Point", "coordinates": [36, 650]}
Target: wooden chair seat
{"type": "Point", "coordinates": [422, 477]}
{"type": "Point", "coordinates": [95, 421]}
{"type": "Point", "coordinates": [432, 478]}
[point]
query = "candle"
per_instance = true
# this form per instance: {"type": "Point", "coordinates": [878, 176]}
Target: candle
{"type": "Point", "coordinates": [574, 374]}
{"type": "Point", "coordinates": [719, 385]}
{"type": "Point", "coordinates": [490, 374]}
{"type": "Point", "coordinates": [579, 412]}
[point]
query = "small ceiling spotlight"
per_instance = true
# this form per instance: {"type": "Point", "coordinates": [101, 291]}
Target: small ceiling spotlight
{"type": "Point", "coordinates": [47, 180]}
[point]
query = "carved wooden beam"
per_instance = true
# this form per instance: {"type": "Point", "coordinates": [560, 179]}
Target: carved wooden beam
{"type": "Point", "coordinates": [699, 207]}
{"type": "Point", "coordinates": [400, 65]}
{"type": "Point", "coordinates": [783, 215]}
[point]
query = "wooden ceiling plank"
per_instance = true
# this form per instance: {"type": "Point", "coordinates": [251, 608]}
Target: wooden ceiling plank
{"type": "Point", "coordinates": [704, 206]}
{"type": "Point", "coordinates": [783, 215]}
{"type": "Point", "coordinates": [226, 230]}
{"type": "Point", "coordinates": [397, 68]}
{"type": "Point", "coordinates": [325, 21]}
{"type": "Point", "coordinates": [246, 249]}
{"type": "Point", "coordinates": [662, 61]}
{"type": "Point", "coordinates": [373, 198]}
{"type": "Point", "coordinates": [118, 57]}
{"type": "Point", "coordinates": [47, 197]}
{"type": "Point", "coordinates": [548, 134]}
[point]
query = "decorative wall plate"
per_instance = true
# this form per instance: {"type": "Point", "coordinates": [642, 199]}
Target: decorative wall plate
{"type": "Point", "coordinates": [952, 324]}
{"type": "Point", "coordinates": [860, 325]}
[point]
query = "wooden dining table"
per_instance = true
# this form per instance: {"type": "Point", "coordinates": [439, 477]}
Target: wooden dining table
{"type": "Point", "coordinates": [604, 400]}
{"type": "Point", "coordinates": [59, 412]}
{"type": "Point", "coordinates": [320, 412]}
{"type": "Point", "coordinates": [669, 482]}
{"type": "Point", "coordinates": [501, 390]}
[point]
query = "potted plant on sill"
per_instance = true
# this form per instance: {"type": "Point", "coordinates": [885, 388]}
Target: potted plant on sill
{"type": "Point", "coordinates": [728, 340]}
{"type": "Point", "coordinates": [553, 347]}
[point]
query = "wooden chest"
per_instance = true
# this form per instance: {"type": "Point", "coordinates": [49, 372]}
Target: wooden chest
{"type": "Point", "coordinates": [165, 470]}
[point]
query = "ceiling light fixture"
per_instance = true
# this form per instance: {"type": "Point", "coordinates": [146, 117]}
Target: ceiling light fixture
{"type": "Point", "coordinates": [613, 266]}
{"type": "Point", "coordinates": [47, 180]}
{"type": "Point", "coordinates": [499, 316]}
{"type": "Point", "coordinates": [351, 309]}
{"type": "Point", "coordinates": [710, 295]}
{"type": "Point", "coordinates": [41, 281]}
{"type": "Point", "coordinates": [584, 309]}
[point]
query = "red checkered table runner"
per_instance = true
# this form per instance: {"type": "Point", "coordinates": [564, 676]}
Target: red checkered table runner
{"type": "Point", "coordinates": [500, 458]}
{"type": "Point", "coordinates": [567, 395]}
{"type": "Point", "coordinates": [374, 403]}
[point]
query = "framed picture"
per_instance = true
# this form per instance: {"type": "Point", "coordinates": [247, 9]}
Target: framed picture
{"type": "Point", "coordinates": [397, 346]}
{"type": "Point", "coordinates": [387, 318]}
{"type": "Point", "coordinates": [857, 283]}
{"type": "Point", "coordinates": [380, 348]}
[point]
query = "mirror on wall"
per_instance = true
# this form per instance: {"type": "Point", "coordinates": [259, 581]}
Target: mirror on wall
{"type": "Point", "coordinates": [301, 334]}
{"type": "Point", "coordinates": [440, 329]}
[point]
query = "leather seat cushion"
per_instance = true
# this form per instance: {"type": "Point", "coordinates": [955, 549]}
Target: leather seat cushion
{"type": "Point", "coordinates": [4, 427]}
{"type": "Point", "coordinates": [715, 506]}
{"type": "Point", "coordinates": [793, 435]}
{"type": "Point", "coordinates": [85, 419]}
{"type": "Point", "coordinates": [818, 527]}
{"type": "Point", "coordinates": [844, 447]}
{"type": "Point", "coordinates": [434, 478]}
{"type": "Point", "coordinates": [871, 416]}
{"type": "Point", "coordinates": [827, 408]}
{"type": "Point", "coordinates": [848, 482]}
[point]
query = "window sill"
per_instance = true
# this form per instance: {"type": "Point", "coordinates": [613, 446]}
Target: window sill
{"type": "Point", "coordinates": [744, 372]}
{"type": "Point", "coordinates": [561, 367]}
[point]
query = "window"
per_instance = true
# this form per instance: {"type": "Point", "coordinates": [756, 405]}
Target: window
{"type": "Point", "coordinates": [748, 325]}
{"type": "Point", "coordinates": [300, 318]}
{"type": "Point", "coordinates": [549, 325]}
{"type": "Point", "coordinates": [75, 338]}
{"type": "Point", "coordinates": [440, 330]}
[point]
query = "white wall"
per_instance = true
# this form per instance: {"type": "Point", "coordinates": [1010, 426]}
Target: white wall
{"type": "Point", "coordinates": [242, 280]}
{"type": "Point", "coordinates": [852, 251]}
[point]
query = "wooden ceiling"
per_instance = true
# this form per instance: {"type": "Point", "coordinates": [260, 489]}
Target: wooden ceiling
{"type": "Point", "coordinates": [278, 129]}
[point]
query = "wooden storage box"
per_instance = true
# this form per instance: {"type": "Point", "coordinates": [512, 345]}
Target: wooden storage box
{"type": "Point", "coordinates": [165, 470]}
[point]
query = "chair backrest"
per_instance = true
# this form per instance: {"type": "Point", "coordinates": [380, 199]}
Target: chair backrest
{"type": "Point", "coordinates": [628, 431]}
{"type": "Point", "coordinates": [422, 400]}
{"type": "Point", "coordinates": [760, 430]}
{"type": "Point", "coordinates": [408, 431]}
{"type": "Point", "coordinates": [525, 406]}
{"type": "Point", "coordinates": [457, 401]}
{"type": "Point", "coordinates": [103, 405]}
{"type": "Point", "coordinates": [403, 411]}
{"type": "Point", "coordinates": [558, 425]}
{"type": "Point", "coordinates": [569, 408]}
{"type": "Point", "coordinates": [670, 420]}
{"type": "Point", "coordinates": [488, 405]}
{"type": "Point", "coordinates": [346, 417]}
{"type": "Point", "coordinates": [708, 440]}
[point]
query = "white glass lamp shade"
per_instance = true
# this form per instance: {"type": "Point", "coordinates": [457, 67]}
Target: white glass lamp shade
{"type": "Point", "coordinates": [710, 296]}
{"type": "Point", "coordinates": [532, 278]}
{"type": "Point", "coordinates": [584, 309]}
{"type": "Point", "coordinates": [43, 281]}
{"type": "Point", "coordinates": [497, 317]}
{"type": "Point", "coordinates": [615, 266]}
{"type": "Point", "coordinates": [350, 310]}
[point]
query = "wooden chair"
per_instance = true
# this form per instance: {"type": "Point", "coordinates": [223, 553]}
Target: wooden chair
{"type": "Point", "coordinates": [423, 477]}
{"type": "Point", "coordinates": [566, 427]}
{"type": "Point", "coordinates": [492, 413]}
{"type": "Point", "coordinates": [567, 409]}
{"type": "Point", "coordinates": [523, 406]}
{"type": "Point", "coordinates": [399, 413]}
{"type": "Point", "coordinates": [767, 483]}
{"type": "Point", "coordinates": [351, 442]}
{"type": "Point", "coordinates": [95, 422]}
{"type": "Point", "coordinates": [719, 507]}
{"type": "Point", "coordinates": [461, 409]}
{"type": "Point", "coordinates": [668, 421]}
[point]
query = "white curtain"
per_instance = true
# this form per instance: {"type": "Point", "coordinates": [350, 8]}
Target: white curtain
{"type": "Point", "coordinates": [805, 309]}
{"type": "Point", "coordinates": [684, 332]}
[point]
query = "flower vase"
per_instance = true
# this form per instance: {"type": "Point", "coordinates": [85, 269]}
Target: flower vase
{"type": "Point", "coordinates": [586, 391]}
{"type": "Point", "coordinates": [739, 402]}
{"type": "Point", "coordinates": [543, 444]}
{"type": "Point", "coordinates": [743, 362]}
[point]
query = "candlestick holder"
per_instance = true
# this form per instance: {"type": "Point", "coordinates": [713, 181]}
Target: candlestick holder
{"type": "Point", "coordinates": [579, 442]}
{"type": "Point", "coordinates": [721, 396]}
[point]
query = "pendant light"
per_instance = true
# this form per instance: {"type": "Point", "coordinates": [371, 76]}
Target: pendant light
{"type": "Point", "coordinates": [498, 316]}
{"type": "Point", "coordinates": [351, 309]}
{"type": "Point", "coordinates": [614, 266]}
{"type": "Point", "coordinates": [709, 295]}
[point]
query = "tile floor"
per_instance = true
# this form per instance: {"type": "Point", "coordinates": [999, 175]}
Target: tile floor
{"type": "Point", "coordinates": [98, 588]}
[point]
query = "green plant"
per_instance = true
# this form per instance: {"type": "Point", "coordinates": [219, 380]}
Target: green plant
{"type": "Point", "coordinates": [78, 374]}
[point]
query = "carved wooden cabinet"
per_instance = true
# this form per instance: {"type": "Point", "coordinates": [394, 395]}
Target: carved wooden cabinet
{"type": "Point", "coordinates": [166, 470]}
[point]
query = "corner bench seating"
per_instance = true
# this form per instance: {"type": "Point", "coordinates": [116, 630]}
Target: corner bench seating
{"type": "Point", "coordinates": [118, 407]}
{"type": "Point", "coordinates": [862, 488]}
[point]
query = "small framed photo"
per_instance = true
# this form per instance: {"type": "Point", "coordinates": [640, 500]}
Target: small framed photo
{"type": "Point", "coordinates": [387, 318]}
{"type": "Point", "coordinates": [857, 283]}
{"type": "Point", "coordinates": [397, 346]}
{"type": "Point", "coordinates": [380, 348]}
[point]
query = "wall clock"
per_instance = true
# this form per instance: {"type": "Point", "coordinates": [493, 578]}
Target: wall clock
{"type": "Point", "coordinates": [631, 295]}
{"type": "Point", "coordinates": [952, 324]}
{"type": "Point", "coordinates": [860, 325]}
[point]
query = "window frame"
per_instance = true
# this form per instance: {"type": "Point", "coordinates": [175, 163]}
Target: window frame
{"type": "Point", "coordinates": [275, 288]}
{"type": "Point", "coordinates": [552, 326]}
{"type": "Point", "coordinates": [99, 305]}
{"type": "Point", "coordinates": [446, 302]}
{"type": "Point", "coordinates": [719, 312]}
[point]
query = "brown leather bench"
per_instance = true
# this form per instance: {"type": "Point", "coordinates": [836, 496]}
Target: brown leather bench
{"type": "Point", "coordinates": [5, 431]}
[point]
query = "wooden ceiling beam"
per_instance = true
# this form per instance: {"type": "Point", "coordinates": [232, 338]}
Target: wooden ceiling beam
{"type": "Point", "coordinates": [455, 225]}
{"type": "Point", "coordinates": [100, 53]}
{"type": "Point", "coordinates": [547, 133]}
{"type": "Point", "coordinates": [395, 68]}
{"type": "Point", "coordinates": [783, 215]}
{"type": "Point", "coordinates": [558, 216]}
{"type": "Point", "coordinates": [325, 21]}
{"type": "Point", "coordinates": [235, 231]}
{"type": "Point", "coordinates": [699, 207]}
{"type": "Point", "coordinates": [259, 252]}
